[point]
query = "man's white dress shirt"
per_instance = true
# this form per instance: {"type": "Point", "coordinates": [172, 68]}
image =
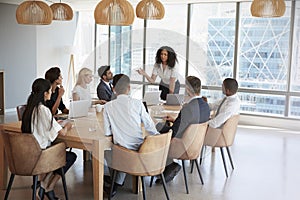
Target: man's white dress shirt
{"type": "Point", "coordinates": [123, 118]}
{"type": "Point", "coordinates": [230, 107]}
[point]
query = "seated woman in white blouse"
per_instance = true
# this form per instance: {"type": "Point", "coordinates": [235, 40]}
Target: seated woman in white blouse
{"type": "Point", "coordinates": [165, 68]}
{"type": "Point", "coordinates": [38, 120]}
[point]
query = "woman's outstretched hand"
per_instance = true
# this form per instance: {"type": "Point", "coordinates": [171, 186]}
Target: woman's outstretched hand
{"type": "Point", "coordinates": [141, 71]}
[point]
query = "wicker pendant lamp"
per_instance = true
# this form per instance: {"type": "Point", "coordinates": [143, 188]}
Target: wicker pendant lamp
{"type": "Point", "coordinates": [62, 11]}
{"type": "Point", "coordinates": [150, 9]}
{"type": "Point", "coordinates": [34, 13]}
{"type": "Point", "coordinates": [268, 8]}
{"type": "Point", "coordinates": [114, 12]}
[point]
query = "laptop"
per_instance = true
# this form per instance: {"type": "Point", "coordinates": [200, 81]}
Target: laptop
{"type": "Point", "coordinates": [152, 97]}
{"type": "Point", "coordinates": [175, 99]}
{"type": "Point", "coordinates": [79, 108]}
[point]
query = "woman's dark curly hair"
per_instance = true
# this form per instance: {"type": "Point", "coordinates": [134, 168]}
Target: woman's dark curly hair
{"type": "Point", "coordinates": [172, 56]}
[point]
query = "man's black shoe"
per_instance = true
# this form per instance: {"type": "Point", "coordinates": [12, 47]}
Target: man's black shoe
{"type": "Point", "coordinates": [107, 190]}
{"type": "Point", "coordinates": [107, 179]}
{"type": "Point", "coordinates": [170, 172]}
{"type": "Point", "coordinates": [174, 170]}
{"type": "Point", "coordinates": [158, 180]}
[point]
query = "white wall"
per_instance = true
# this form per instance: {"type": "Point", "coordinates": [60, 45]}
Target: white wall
{"type": "Point", "coordinates": [27, 51]}
{"type": "Point", "coordinates": [17, 56]}
{"type": "Point", "coordinates": [52, 45]}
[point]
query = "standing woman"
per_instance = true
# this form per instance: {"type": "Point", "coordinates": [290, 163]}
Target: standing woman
{"type": "Point", "coordinates": [165, 68]}
{"type": "Point", "coordinates": [38, 120]}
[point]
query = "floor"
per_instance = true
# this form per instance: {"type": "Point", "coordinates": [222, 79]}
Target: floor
{"type": "Point", "coordinates": [267, 163]}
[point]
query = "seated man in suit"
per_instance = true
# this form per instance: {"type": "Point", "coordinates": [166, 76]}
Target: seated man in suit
{"type": "Point", "coordinates": [227, 106]}
{"type": "Point", "coordinates": [194, 112]}
{"type": "Point", "coordinates": [104, 89]}
{"type": "Point", "coordinates": [122, 120]}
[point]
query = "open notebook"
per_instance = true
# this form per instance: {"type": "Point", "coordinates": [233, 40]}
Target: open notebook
{"type": "Point", "coordinates": [79, 108]}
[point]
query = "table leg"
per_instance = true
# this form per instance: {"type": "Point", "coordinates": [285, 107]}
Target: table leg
{"type": "Point", "coordinates": [135, 184]}
{"type": "Point", "coordinates": [98, 170]}
{"type": "Point", "coordinates": [3, 165]}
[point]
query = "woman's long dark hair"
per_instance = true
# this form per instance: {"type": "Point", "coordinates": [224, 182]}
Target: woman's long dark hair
{"type": "Point", "coordinates": [39, 87]}
{"type": "Point", "coordinates": [172, 56]}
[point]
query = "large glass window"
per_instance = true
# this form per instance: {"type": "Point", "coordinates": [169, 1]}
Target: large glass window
{"type": "Point", "coordinates": [294, 110]}
{"type": "Point", "coordinates": [101, 54]}
{"type": "Point", "coordinates": [137, 37]}
{"type": "Point", "coordinates": [263, 61]}
{"type": "Point", "coordinates": [295, 75]}
{"type": "Point", "coordinates": [262, 104]}
{"type": "Point", "coordinates": [212, 34]}
{"type": "Point", "coordinates": [170, 31]}
{"type": "Point", "coordinates": [102, 45]}
{"type": "Point", "coordinates": [262, 66]}
{"type": "Point", "coordinates": [120, 49]}
{"type": "Point", "coordinates": [84, 41]}
{"type": "Point", "coordinates": [264, 50]}
{"type": "Point", "coordinates": [84, 47]}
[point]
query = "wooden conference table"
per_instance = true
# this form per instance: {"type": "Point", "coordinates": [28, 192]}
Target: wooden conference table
{"type": "Point", "coordinates": [87, 134]}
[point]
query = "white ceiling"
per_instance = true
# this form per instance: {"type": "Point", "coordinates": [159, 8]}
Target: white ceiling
{"type": "Point", "coordinates": [91, 4]}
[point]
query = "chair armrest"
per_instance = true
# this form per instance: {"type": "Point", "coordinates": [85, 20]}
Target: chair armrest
{"type": "Point", "coordinates": [212, 136]}
{"type": "Point", "coordinates": [51, 159]}
{"type": "Point", "coordinates": [176, 148]}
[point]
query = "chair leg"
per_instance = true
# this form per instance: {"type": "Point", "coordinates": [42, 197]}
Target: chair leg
{"type": "Point", "coordinates": [201, 154]}
{"type": "Point", "coordinates": [223, 158]}
{"type": "Point", "coordinates": [198, 168]}
{"type": "Point", "coordinates": [192, 165]}
{"type": "Point", "coordinates": [229, 155]}
{"type": "Point", "coordinates": [35, 180]}
{"type": "Point", "coordinates": [185, 179]}
{"type": "Point", "coordinates": [144, 188]}
{"type": "Point", "coordinates": [114, 175]}
{"type": "Point", "coordinates": [151, 181]}
{"type": "Point", "coordinates": [164, 184]}
{"type": "Point", "coordinates": [11, 180]}
{"type": "Point", "coordinates": [63, 178]}
{"type": "Point", "coordinates": [135, 187]}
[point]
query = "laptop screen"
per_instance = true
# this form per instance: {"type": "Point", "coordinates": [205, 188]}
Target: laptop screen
{"type": "Point", "coordinates": [175, 99]}
{"type": "Point", "coordinates": [152, 97]}
{"type": "Point", "coordinates": [79, 108]}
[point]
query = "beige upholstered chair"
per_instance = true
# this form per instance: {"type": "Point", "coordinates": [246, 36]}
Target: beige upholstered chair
{"type": "Point", "coordinates": [223, 137]}
{"type": "Point", "coordinates": [26, 158]}
{"type": "Point", "coordinates": [189, 147]}
{"type": "Point", "coordinates": [149, 160]}
{"type": "Point", "coordinates": [20, 111]}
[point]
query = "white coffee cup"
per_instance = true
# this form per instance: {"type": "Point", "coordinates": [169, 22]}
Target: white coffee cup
{"type": "Point", "coordinates": [99, 107]}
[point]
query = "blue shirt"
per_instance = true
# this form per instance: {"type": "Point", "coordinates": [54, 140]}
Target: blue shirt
{"type": "Point", "coordinates": [123, 118]}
